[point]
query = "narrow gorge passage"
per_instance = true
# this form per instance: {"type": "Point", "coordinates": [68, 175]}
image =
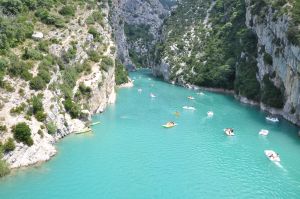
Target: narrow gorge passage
{"type": "Point", "coordinates": [130, 155]}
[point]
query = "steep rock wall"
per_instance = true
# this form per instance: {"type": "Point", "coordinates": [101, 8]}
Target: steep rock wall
{"type": "Point", "coordinates": [137, 28]}
{"type": "Point", "coordinates": [271, 30]}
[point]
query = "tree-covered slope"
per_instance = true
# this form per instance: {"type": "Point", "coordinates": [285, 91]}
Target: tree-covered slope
{"type": "Point", "coordinates": [247, 46]}
{"type": "Point", "coordinates": [57, 67]}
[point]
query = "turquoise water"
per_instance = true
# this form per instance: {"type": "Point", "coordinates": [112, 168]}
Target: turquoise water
{"type": "Point", "coordinates": [130, 155]}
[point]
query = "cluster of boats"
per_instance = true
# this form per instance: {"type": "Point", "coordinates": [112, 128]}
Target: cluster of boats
{"type": "Point", "coordinates": [271, 155]}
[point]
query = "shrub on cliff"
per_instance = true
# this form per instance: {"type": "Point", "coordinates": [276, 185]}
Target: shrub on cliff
{"type": "Point", "coordinates": [121, 73]}
{"type": "Point", "coordinates": [72, 108]}
{"type": "Point", "coordinates": [37, 83]}
{"type": "Point", "coordinates": [9, 145]}
{"type": "Point", "coordinates": [67, 11]}
{"type": "Point", "coordinates": [51, 127]}
{"type": "Point", "coordinates": [22, 133]}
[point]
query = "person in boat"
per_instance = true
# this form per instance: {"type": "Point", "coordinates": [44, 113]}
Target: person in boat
{"type": "Point", "coordinates": [271, 155]}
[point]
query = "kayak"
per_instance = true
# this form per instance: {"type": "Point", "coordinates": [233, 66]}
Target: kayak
{"type": "Point", "coordinates": [191, 98]}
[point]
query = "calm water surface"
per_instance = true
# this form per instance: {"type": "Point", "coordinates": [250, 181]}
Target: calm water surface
{"type": "Point", "coordinates": [130, 155]}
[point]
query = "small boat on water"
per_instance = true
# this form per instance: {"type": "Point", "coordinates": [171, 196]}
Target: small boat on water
{"type": "Point", "coordinates": [177, 113]}
{"type": "Point", "coordinates": [86, 130]}
{"type": "Point", "coordinates": [189, 108]}
{"type": "Point", "coordinates": [272, 155]}
{"type": "Point", "coordinates": [200, 93]}
{"type": "Point", "coordinates": [210, 114]}
{"type": "Point", "coordinates": [169, 124]}
{"type": "Point", "coordinates": [229, 131]}
{"type": "Point", "coordinates": [190, 97]}
{"type": "Point", "coordinates": [263, 132]}
{"type": "Point", "coordinates": [272, 119]}
{"type": "Point", "coordinates": [140, 90]}
{"type": "Point", "coordinates": [95, 123]}
{"type": "Point", "coordinates": [152, 95]}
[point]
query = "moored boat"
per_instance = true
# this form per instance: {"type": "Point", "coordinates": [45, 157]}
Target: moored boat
{"type": "Point", "coordinates": [272, 119]}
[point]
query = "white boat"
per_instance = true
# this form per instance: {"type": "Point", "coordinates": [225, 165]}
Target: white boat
{"type": "Point", "coordinates": [229, 132]}
{"type": "Point", "coordinates": [152, 95]}
{"type": "Point", "coordinates": [190, 97]}
{"type": "Point", "coordinates": [272, 119]}
{"type": "Point", "coordinates": [140, 90]}
{"type": "Point", "coordinates": [210, 114]}
{"type": "Point", "coordinates": [272, 155]}
{"type": "Point", "coordinates": [189, 108]}
{"type": "Point", "coordinates": [169, 125]}
{"type": "Point", "coordinates": [263, 132]}
{"type": "Point", "coordinates": [200, 93]}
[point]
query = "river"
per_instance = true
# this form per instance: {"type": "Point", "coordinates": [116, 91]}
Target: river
{"type": "Point", "coordinates": [130, 155]}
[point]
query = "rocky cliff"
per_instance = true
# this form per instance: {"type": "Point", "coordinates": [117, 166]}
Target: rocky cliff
{"type": "Point", "coordinates": [238, 45]}
{"type": "Point", "coordinates": [137, 28]}
{"type": "Point", "coordinates": [81, 83]}
{"type": "Point", "coordinates": [277, 57]}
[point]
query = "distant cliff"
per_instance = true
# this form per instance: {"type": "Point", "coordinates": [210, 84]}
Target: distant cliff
{"type": "Point", "coordinates": [137, 28]}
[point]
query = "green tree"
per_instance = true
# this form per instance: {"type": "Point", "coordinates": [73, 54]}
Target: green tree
{"type": "Point", "coordinates": [22, 133]}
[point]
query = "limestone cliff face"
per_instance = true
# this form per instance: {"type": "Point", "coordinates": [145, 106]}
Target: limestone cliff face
{"type": "Point", "coordinates": [101, 83]}
{"type": "Point", "coordinates": [271, 30]}
{"type": "Point", "coordinates": [196, 40]}
{"type": "Point", "coordinates": [129, 19]}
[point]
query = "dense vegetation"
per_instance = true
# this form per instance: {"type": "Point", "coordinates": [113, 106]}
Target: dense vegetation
{"type": "Point", "coordinates": [27, 63]}
{"type": "Point", "coordinates": [212, 57]}
{"type": "Point", "coordinates": [220, 52]}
